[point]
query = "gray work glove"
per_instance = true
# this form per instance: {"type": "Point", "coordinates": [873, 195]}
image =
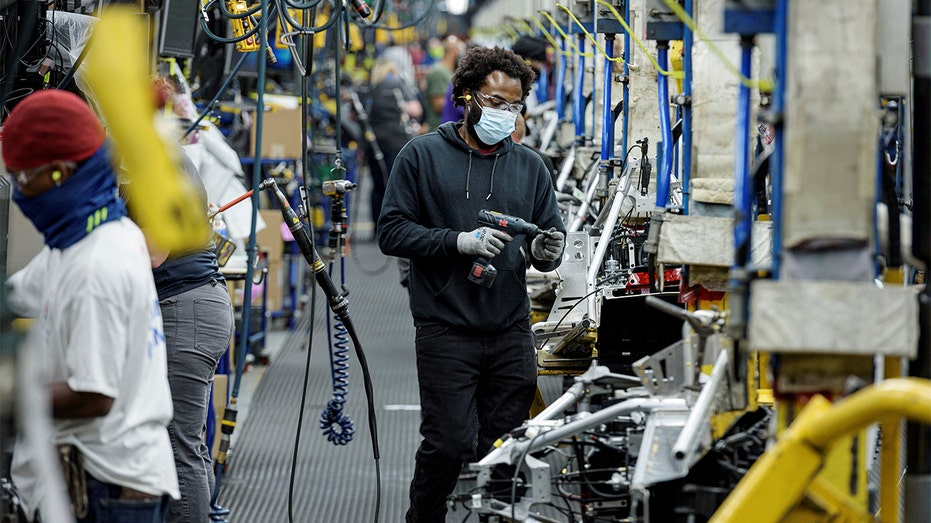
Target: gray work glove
{"type": "Point", "coordinates": [483, 241]}
{"type": "Point", "coordinates": [548, 246]}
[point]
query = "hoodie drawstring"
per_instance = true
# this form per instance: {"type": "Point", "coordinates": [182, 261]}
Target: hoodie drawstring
{"type": "Point", "coordinates": [468, 174]}
{"type": "Point", "coordinates": [491, 187]}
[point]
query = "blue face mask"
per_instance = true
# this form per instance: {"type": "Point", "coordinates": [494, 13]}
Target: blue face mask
{"type": "Point", "coordinates": [84, 201]}
{"type": "Point", "coordinates": [494, 125]}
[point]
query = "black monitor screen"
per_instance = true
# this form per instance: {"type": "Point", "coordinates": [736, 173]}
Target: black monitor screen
{"type": "Point", "coordinates": [179, 24]}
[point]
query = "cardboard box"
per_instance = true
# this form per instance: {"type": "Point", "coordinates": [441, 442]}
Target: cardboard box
{"type": "Point", "coordinates": [281, 134]}
{"type": "Point", "coordinates": [220, 386]}
{"type": "Point", "coordinates": [237, 288]}
{"type": "Point", "coordinates": [269, 239]}
{"type": "Point", "coordinates": [237, 301]}
{"type": "Point", "coordinates": [276, 281]}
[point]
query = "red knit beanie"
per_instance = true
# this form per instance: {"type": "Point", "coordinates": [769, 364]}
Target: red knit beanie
{"type": "Point", "coordinates": [50, 125]}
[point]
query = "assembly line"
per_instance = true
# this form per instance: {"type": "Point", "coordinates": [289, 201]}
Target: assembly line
{"type": "Point", "coordinates": [639, 261]}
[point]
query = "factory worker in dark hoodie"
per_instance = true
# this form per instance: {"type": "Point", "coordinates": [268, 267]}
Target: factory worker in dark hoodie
{"type": "Point", "coordinates": [475, 358]}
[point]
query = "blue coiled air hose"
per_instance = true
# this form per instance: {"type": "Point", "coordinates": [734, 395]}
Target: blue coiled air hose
{"type": "Point", "coordinates": [335, 424]}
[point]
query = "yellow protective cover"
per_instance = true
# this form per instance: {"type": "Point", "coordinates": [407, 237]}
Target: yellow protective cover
{"type": "Point", "coordinates": [165, 204]}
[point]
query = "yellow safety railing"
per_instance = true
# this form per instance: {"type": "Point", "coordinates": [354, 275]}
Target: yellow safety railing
{"type": "Point", "coordinates": [786, 472]}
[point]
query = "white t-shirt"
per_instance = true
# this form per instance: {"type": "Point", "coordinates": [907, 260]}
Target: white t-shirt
{"type": "Point", "coordinates": [102, 332]}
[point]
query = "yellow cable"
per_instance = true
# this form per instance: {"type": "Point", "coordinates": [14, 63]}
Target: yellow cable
{"type": "Point", "coordinates": [659, 69]}
{"type": "Point", "coordinates": [480, 31]}
{"type": "Point", "coordinates": [762, 85]}
{"type": "Point", "coordinates": [619, 59]}
{"type": "Point", "coordinates": [565, 36]}
{"type": "Point", "coordinates": [526, 25]}
{"type": "Point", "coordinates": [549, 37]}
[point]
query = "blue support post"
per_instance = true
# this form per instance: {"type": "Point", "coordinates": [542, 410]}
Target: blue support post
{"type": "Point", "coordinates": [542, 90]}
{"type": "Point", "coordinates": [665, 171]}
{"type": "Point", "coordinates": [607, 112]}
{"type": "Point", "coordinates": [606, 169]}
{"type": "Point", "coordinates": [743, 186]}
{"type": "Point", "coordinates": [560, 92]}
{"type": "Point", "coordinates": [578, 112]}
{"type": "Point", "coordinates": [776, 161]}
{"type": "Point", "coordinates": [625, 130]}
{"type": "Point", "coordinates": [687, 112]}
{"type": "Point", "coordinates": [594, 106]}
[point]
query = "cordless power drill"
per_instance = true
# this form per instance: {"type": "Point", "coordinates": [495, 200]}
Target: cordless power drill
{"type": "Point", "coordinates": [483, 272]}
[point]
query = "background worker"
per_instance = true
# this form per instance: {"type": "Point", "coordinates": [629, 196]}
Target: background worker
{"type": "Point", "coordinates": [520, 130]}
{"type": "Point", "coordinates": [91, 289]}
{"type": "Point", "coordinates": [536, 53]}
{"type": "Point", "coordinates": [197, 315]}
{"type": "Point", "coordinates": [436, 86]}
{"type": "Point", "coordinates": [475, 355]}
{"type": "Point", "coordinates": [394, 109]}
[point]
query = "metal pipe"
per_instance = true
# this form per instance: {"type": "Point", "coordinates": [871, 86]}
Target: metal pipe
{"type": "Point", "coordinates": [700, 413]}
{"type": "Point", "coordinates": [548, 132]}
{"type": "Point", "coordinates": [598, 258]}
{"type": "Point", "coordinates": [506, 453]}
{"type": "Point", "coordinates": [626, 179]}
{"type": "Point", "coordinates": [597, 418]}
{"type": "Point", "coordinates": [582, 213]}
{"type": "Point", "coordinates": [561, 403]}
{"type": "Point", "coordinates": [568, 164]}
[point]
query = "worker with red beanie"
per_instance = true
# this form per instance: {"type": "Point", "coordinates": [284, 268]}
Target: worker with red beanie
{"type": "Point", "coordinates": [92, 292]}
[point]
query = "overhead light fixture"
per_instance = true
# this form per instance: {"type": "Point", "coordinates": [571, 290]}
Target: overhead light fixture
{"type": "Point", "coordinates": [457, 7]}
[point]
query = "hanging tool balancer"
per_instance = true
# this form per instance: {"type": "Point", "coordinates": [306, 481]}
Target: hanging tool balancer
{"type": "Point", "coordinates": [483, 272]}
{"type": "Point", "coordinates": [339, 219]}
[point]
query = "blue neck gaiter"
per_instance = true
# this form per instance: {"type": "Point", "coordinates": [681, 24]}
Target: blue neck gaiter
{"type": "Point", "coordinates": [84, 201]}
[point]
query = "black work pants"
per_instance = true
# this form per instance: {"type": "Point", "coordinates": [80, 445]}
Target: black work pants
{"type": "Point", "coordinates": [474, 388]}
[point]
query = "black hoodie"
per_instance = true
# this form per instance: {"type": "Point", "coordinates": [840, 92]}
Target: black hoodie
{"type": "Point", "coordinates": [438, 184]}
